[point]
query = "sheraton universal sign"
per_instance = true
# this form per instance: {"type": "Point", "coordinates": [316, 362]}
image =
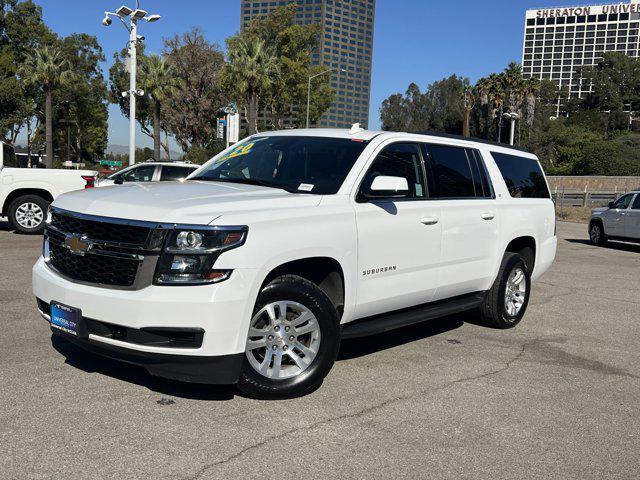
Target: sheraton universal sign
{"type": "Point", "coordinates": [590, 10]}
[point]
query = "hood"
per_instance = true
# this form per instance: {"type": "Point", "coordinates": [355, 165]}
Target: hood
{"type": "Point", "coordinates": [193, 202]}
{"type": "Point", "coordinates": [599, 210]}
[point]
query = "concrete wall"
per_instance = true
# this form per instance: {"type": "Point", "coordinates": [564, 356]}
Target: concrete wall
{"type": "Point", "coordinates": [593, 183]}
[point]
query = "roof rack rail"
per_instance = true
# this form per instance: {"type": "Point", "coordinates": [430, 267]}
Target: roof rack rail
{"type": "Point", "coordinates": [470, 139]}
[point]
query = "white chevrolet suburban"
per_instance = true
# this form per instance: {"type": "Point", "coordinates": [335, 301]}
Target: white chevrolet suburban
{"type": "Point", "coordinates": [25, 193]}
{"type": "Point", "coordinates": [253, 269]}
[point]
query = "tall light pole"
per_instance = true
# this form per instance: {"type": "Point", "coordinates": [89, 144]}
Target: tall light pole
{"type": "Point", "coordinates": [513, 116]}
{"type": "Point", "coordinates": [309, 88]}
{"type": "Point", "coordinates": [134, 15]}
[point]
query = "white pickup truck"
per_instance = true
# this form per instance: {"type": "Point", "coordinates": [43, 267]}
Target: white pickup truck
{"type": "Point", "coordinates": [253, 269]}
{"type": "Point", "coordinates": [25, 193]}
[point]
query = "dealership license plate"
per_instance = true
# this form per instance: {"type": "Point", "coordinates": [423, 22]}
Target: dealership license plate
{"type": "Point", "coordinates": [67, 319]}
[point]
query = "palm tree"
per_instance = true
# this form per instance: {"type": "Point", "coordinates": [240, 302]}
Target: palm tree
{"type": "Point", "coordinates": [160, 82]}
{"type": "Point", "coordinates": [482, 90]}
{"type": "Point", "coordinates": [251, 68]}
{"type": "Point", "coordinates": [531, 91]}
{"type": "Point", "coordinates": [467, 106]}
{"type": "Point", "coordinates": [514, 85]}
{"type": "Point", "coordinates": [47, 68]}
{"type": "Point", "coordinates": [496, 95]}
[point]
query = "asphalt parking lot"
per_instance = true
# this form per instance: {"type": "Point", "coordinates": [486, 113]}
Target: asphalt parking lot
{"type": "Point", "coordinates": [556, 397]}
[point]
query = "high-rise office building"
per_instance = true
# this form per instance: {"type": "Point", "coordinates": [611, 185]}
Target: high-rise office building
{"type": "Point", "coordinates": [346, 44]}
{"type": "Point", "coordinates": [557, 41]}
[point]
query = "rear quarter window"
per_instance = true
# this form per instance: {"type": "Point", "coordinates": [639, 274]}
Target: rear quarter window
{"type": "Point", "coordinates": [523, 176]}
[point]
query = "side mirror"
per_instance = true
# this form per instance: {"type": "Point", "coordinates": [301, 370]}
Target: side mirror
{"type": "Point", "coordinates": [118, 181]}
{"type": "Point", "coordinates": [387, 187]}
{"type": "Point", "coordinates": [612, 204]}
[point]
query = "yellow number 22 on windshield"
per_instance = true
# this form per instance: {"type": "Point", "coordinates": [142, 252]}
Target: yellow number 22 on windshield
{"type": "Point", "coordinates": [242, 150]}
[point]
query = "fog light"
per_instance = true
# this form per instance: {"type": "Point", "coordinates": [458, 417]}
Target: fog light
{"type": "Point", "coordinates": [185, 264]}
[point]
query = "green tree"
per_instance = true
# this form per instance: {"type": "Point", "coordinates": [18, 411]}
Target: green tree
{"type": "Point", "coordinates": [249, 74]}
{"type": "Point", "coordinates": [292, 46]}
{"type": "Point", "coordinates": [119, 82]}
{"type": "Point", "coordinates": [481, 89]}
{"type": "Point", "coordinates": [393, 114]}
{"type": "Point", "coordinates": [439, 108]}
{"type": "Point", "coordinates": [615, 83]}
{"type": "Point", "coordinates": [531, 89]}
{"type": "Point", "coordinates": [21, 31]}
{"type": "Point", "coordinates": [46, 67]}
{"type": "Point", "coordinates": [81, 100]}
{"type": "Point", "coordinates": [159, 81]}
{"type": "Point", "coordinates": [200, 95]}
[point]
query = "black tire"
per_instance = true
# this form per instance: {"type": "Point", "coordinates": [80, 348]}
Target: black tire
{"type": "Point", "coordinates": [23, 200]}
{"type": "Point", "coordinates": [596, 233]}
{"type": "Point", "coordinates": [493, 310]}
{"type": "Point", "coordinates": [300, 290]}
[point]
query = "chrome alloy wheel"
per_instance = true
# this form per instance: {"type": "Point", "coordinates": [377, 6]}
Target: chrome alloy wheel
{"type": "Point", "coordinates": [284, 338]}
{"type": "Point", "coordinates": [29, 215]}
{"type": "Point", "coordinates": [515, 291]}
{"type": "Point", "coordinates": [595, 233]}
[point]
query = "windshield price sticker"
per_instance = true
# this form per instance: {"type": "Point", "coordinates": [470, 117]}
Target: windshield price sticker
{"type": "Point", "coordinates": [306, 187]}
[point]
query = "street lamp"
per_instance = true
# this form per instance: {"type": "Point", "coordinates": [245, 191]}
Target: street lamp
{"type": "Point", "coordinates": [309, 88]}
{"type": "Point", "coordinates": [513, 116]}
{"type": "Point", "coordinates": [134, 15]}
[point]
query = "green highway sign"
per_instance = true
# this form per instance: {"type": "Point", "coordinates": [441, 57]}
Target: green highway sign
{"type": "Point", "coordinates": [111, 163]}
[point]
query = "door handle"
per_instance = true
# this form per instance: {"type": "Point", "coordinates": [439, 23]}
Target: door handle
{"type": "Point", "coordinates": [488, 216]}
{"type": "Point", "coordinates": [429, 220]}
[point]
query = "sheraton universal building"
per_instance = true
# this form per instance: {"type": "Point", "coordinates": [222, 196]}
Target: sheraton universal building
{"type": "Point", "coordinates": [559, 40]}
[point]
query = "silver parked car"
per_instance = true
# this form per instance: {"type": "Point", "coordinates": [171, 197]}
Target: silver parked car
{"type": "Point", "coordinates": [619, 221]}
{"type": "Point", "coordinates": [150, 171]}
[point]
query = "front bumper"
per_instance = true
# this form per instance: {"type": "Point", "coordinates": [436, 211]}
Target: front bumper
{"type": "Point", "coordinates": [220, 369]}
{"type": "Point", "coordinates": [221, 311]}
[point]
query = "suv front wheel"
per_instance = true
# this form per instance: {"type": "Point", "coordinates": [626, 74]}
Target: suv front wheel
{"type": "Point", "coordinates": [596, 233]}
{"type": "Point", "coordinates": [292, 342]}
{"type": "Point", "coordinates": [506, 302]}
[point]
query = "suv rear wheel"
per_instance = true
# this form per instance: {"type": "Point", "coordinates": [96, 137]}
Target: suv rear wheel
{"type": "Point", "coordinates": [506, 302]}
{"type": "Point", "coordinates": [292, 342]}
{"type": "Point", "coordinates": [27, 214]}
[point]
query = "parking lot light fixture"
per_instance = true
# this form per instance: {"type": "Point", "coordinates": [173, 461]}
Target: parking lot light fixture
{"type": "Point", "coordinates": [309, 88]}
{"type": "Point", "coordinates": [513, 116]}
{"type": "Point", "coordinates": [134, 15]}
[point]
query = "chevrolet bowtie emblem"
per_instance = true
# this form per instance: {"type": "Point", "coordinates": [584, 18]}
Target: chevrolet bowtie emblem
{"type": "Point", "coordinates": [77, 244]}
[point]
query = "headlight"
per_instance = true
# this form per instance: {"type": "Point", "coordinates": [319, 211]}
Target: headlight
{"type": "Point", "coordinates": [190, 254]}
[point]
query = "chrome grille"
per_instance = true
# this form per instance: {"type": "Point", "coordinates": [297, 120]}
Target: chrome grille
{"type": "Point", "coordinates": [93, 268]}
{"type": "Point", "coordinates": [122, 253]}
{"type": "Point", "coordinates": [100, 231]}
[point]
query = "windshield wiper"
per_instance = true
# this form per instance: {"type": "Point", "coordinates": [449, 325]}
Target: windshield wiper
{"type": "Point", "coordinates": [248, 181]}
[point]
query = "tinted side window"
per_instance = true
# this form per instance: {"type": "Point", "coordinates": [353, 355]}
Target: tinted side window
{"type": "Point", "coordinates": [636, 203]}
{"type": "Point", "coordinates": [170, 172]}
{"type": "Point", "coordinates": [8, 156]}
{"type": "Point", "coordinates": [140, 174]}
{"type": "Point", "coordinates": [623, 202]}
{"type": "Point", "coordinates": [399, 160]}
{"type": "Point", "coordinates": [449, 172]}
{"type": "Point", "coordinates": [523, 176]}
{"type": "Point", "coordinates": [480, 176]}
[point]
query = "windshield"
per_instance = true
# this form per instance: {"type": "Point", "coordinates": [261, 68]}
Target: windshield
{"type": "Point", "coordinates": [297, 164]}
